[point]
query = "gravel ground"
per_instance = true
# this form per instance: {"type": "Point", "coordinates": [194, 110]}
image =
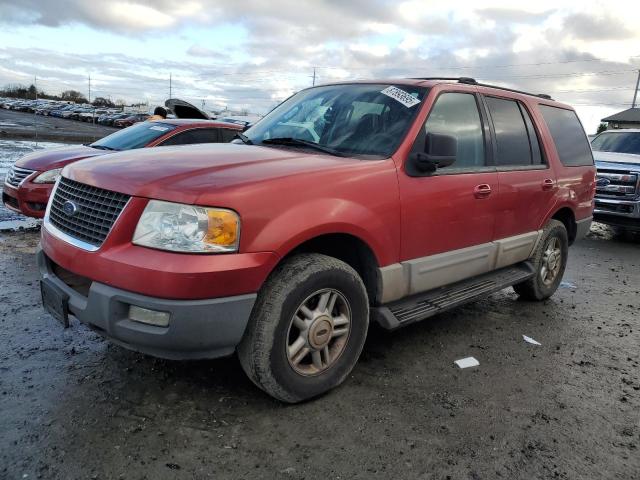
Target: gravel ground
{"type": "Point", "coordinates": [73, 406]}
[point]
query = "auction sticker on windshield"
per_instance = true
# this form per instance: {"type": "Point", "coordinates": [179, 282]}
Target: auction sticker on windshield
{"type": "Point", "coordinates": [400, 95]}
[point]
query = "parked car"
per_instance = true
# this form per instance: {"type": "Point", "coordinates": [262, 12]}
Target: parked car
{"type": "Point", "coordinates": [617, 155]}
{"type": "Point", "coordinates": [130, 120]}
{"type": "Point", "coordinates": [29, 182]}
{"type": "Point", "coordinates": [112, 118]}
{"type": "Point", "coordinates": [91, 114]}
{"type": "Point", "coordinates": [389, 201]}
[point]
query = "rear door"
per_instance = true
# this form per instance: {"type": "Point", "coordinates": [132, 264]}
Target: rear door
{"type": "Point", "coordinates": [527, 185]}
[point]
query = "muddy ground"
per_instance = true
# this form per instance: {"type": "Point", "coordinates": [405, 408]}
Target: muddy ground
{"type": "Point", "coordinates": [74, 406]}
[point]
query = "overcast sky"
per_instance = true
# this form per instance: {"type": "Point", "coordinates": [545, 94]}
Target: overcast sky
{"type": "Point", "coordinates": [253, 54]}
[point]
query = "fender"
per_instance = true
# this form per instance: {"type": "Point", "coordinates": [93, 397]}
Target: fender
{"type": "Point", "coordinates": [307, 220]}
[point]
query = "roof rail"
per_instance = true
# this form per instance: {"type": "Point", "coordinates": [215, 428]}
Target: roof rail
{"type": "Point", "coordinates": [473, 81]}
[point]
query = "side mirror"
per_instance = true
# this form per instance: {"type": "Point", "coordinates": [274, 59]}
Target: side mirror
{"type": "Point", "coordinates": [440, 151]}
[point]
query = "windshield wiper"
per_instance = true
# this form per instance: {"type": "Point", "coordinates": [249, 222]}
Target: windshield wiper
{"type": "Point", "coordinates": [302, 143]}
{"type": "Point", "coordinates": [246, 140]}
{"type": "Point", "coordinates": [102, 147]}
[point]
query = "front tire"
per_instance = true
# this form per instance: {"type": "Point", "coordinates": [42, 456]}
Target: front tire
{"type": "Point", "coordinates": [307, 328]}
{"type": "Point", "coordinates": [549, 261]}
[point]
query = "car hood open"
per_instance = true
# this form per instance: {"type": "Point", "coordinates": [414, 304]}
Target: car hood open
{"type": "Point", "coordinates": [183, 109]}
{"type": "Point", "coordinates": [190, 173]}
{"type": "Point", "coordinates": [57, 157]}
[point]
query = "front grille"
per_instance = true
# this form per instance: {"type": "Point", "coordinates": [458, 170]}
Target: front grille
{"type": "Point", "coordinates": [16, 175]}
{"type": "Point", "coordinates": [95, 212]}
{"type": "Point", "coordinates": [617, 184]}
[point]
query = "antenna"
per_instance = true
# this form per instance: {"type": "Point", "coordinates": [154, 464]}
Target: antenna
{"type": "Point", "coordinates": [35, 120]}
{"type": "Point", "coordinates": [170, 85]}
{"type": "Point", "coordinates": [635, 91]}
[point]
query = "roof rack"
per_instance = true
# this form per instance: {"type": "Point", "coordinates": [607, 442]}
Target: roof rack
{"type": "Point", "coordinates": [473, 81]}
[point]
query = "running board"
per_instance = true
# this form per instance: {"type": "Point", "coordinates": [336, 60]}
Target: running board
{"type": "Point", "coordinates": [418, 307]}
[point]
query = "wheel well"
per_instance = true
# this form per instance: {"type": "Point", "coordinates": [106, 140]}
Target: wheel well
{"type": "Point", "coordinates": [565, 215]}
{"type": "Point", "coordinates": [352, 251]}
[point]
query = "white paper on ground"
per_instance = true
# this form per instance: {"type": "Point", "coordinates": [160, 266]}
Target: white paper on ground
{"type": "Point", "coordinates": [467, 362]}
{"type": "Point", "coordinates": [530, 340]}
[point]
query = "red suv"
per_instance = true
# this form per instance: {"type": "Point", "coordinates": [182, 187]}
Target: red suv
{"type": "Point", "coordinates": [385, 201]}
{"type": "Point", "coordinates": [29, 182]}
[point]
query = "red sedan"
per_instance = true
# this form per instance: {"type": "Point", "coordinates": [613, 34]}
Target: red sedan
{"type": "Point", "coordinates": [29, 182]}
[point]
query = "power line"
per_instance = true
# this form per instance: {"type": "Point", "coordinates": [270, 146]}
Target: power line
{"type": "Point", "coordinates": [454, 67]}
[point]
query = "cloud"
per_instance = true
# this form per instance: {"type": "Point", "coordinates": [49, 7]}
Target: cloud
{"type": "Point", "coordinates": [513, 15]}
{"type": "Point", "coordinates": [552, 46]}
{"type": "Point", "coordinates": [204, 52]}
{"type": "Point", "coordinates": [587, 27]}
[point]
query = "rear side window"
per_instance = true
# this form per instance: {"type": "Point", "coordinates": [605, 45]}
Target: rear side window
{"type": "Point", "coordinates": [568, 135]}
{"type": "Point", "coordinates": [516, 140]}
{"type": "Point", "coordinates": [202, 135]}
{"type": "Point", "coordinates": [227, 134]}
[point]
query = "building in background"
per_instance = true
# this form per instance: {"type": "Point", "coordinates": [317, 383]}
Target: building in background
{"type": "Point", "coordinates": [629, 118]}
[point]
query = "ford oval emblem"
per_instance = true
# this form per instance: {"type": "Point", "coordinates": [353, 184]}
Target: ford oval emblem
{"type": "Point", "coordinates": [603, 182]}
{"type": "Point", "coordinates": [69, 208]}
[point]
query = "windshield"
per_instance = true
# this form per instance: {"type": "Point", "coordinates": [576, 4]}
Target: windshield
{"type": "Point", "coordinates": [354, 119]}
{"type": "Point", "coordinates": [619, 142]}
{"type": "Point", "coordinates": [136, 136]}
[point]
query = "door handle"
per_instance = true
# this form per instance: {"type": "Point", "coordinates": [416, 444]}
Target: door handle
{"type": "Point", "coordinates": [548, 184]}
{"type": "Point", "coordinates": [482, 191]}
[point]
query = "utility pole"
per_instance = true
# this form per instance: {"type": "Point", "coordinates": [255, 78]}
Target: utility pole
{"type": "Point", "coordinates": [635, 91]}
{"type": "Point", "coordinates": [314, 77]}
{"type": "Point", "coordinates": [170, 86]}
{"type": "Point", "coordinates": [35, 120]}
{"type": "Point", "coordinates": [89, 88]}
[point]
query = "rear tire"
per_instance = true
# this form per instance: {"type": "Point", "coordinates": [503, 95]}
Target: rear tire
{"type": "Point", "coordinates": [549, 262]}
{"type": "Point", "coordinates": [307, 328]}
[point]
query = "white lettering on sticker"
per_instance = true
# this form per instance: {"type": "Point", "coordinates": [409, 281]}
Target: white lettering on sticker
{"type": "Point", "coordinates": [400, 95]}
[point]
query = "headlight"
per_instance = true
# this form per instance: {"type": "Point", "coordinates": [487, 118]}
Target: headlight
{"type": "Point", "coordinates": [187, 228]}
{"type": "Point", "coordinates": [50, 176]}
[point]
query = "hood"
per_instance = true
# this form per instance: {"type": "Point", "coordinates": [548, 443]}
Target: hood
{"type": "Point", "coordinates": [57, 157]}
{"type": "Point", "coordinates": [613, 157]}
{"type": "Point", "coordinates": [191, 173]}
{"type": "Point", "coordinates": [183, 109]}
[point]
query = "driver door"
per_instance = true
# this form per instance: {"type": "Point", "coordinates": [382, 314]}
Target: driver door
{"type": "Point", "coordinates": [448, 215]}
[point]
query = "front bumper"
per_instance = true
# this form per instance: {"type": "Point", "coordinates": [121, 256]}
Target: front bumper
{"type": "Point", "coordinates": [207, 328]}
{"type": "Point", "coordinates": [29, 199]}
{"type": "Point", "coordinates": [621, 213]}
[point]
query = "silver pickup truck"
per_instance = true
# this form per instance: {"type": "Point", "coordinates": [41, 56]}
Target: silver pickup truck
{"type": "Point", "coordinates": [617, 157]}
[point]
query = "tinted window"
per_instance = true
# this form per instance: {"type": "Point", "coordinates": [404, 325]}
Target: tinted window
{"type": "Point", "coordinates": [457, 115]}
{"type": "Point", "coordinates": [536, 153]}
{"type": "Point", "coordinates": [619, 142]}
{"type": "Point", "coordinates": [136, 136]}
{"type": "Point", "coordinates": [568, 135]}
{"type": "Point", "coordinates": [201, 135]}
{"type": "Point", "coordinates": [227, 134]}
{"type": "Point", "coordinates": [512, 138]}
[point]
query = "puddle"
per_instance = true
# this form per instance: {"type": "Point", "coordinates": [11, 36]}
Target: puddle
{"type": "Point", "coordinates": [10, 151]}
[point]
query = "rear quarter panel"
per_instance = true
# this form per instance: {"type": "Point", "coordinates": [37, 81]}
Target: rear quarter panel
{"type": "Point", "coordinates": [575, 186]}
